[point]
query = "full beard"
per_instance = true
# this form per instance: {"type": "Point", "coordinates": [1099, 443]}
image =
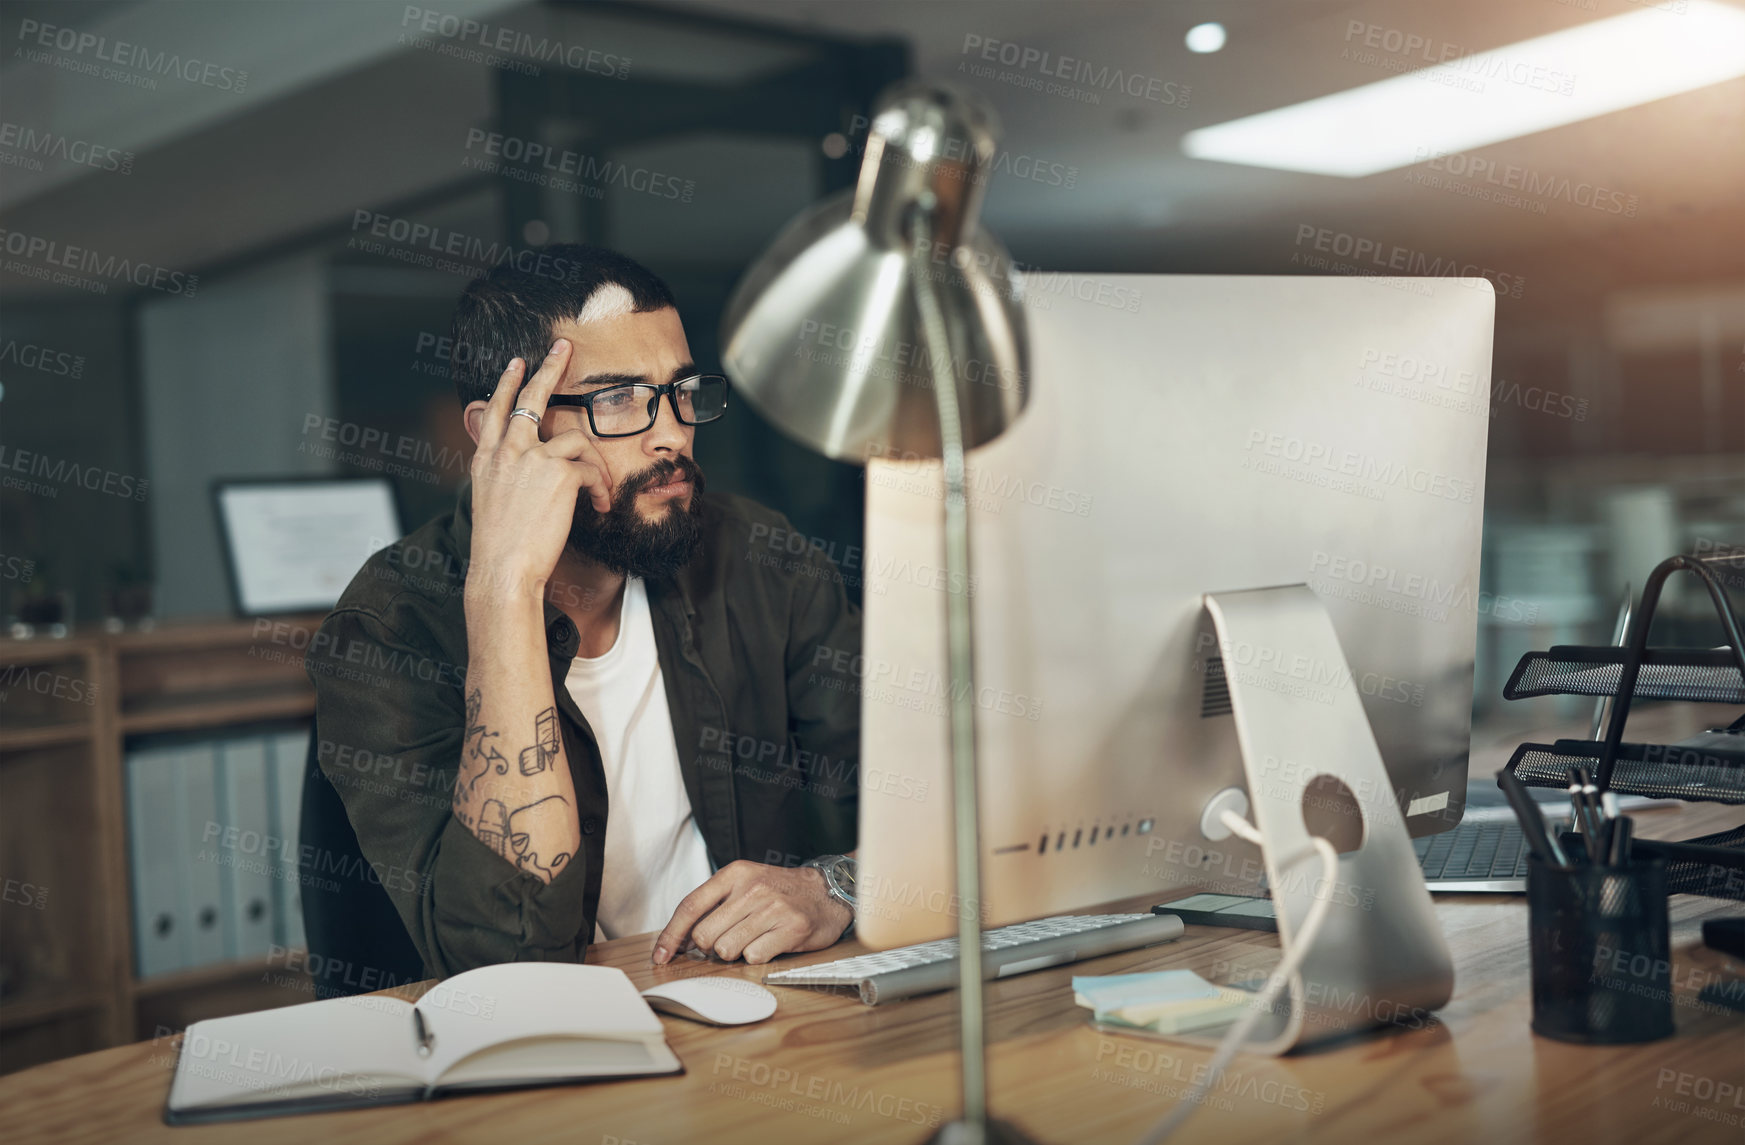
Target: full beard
{"type": "Point", "coordinates": [624, 541]}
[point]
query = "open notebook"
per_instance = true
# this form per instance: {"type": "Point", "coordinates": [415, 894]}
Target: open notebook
{"type": "Point", "coordinates": [498, 1027]}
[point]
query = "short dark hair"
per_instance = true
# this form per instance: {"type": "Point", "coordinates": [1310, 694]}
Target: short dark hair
{"type": "Point", "coordinates": [509, 312]}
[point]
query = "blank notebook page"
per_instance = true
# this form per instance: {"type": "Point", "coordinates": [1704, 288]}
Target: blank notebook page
{"type": "Point", "coordinates": [334, 1047]}
{"type": "Point", "coordinates": [498, 1005]}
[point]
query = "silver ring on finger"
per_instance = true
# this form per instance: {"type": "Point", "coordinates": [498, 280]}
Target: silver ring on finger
{"type": "Point", "coordinates": [523, 411]}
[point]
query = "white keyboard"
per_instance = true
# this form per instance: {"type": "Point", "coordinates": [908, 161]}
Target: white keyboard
{"type": "Point", "coordinates": [1008, 950]}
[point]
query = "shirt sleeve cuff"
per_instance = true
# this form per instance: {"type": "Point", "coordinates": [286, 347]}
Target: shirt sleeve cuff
{"type": "Point", "coordinates": [473, 885]}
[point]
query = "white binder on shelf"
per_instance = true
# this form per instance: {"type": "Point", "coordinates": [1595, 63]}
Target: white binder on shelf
{"type": "Point", "coordinates": [160, 915]}
{"type": "Point", "coordinates": [201, 854]}
{"type": "Point", "coordinates": [249, 866]}
{"type": "Point", "coordinates": [289, 751]}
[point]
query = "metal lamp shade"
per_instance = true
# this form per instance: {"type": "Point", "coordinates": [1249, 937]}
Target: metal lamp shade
{"type": "Point", "coordinates": [823, 335]}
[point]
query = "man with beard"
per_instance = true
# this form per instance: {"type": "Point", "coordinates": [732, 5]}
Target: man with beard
{"type": "Point", "coordinates": [593, 685]}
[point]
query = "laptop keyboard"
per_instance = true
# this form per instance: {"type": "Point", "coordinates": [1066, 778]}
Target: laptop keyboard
{"type": "Point", "coordinates": [1474, 851]}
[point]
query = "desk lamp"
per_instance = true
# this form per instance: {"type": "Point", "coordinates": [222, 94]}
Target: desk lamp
{"type": "Point", "coordinates": [884, 322]}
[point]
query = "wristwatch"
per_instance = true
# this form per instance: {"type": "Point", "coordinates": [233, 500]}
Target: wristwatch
{"type": "Point", "coordinates": [839, 873]}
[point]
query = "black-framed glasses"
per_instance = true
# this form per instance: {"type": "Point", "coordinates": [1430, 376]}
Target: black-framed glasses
{"type": "Point", "coordinates": [631, 408]}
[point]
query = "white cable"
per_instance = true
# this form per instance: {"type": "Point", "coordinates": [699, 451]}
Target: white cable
{"type": "Point", "coordinates": [1263, 1002]}
{"type": "Point", "coordinates": [1240, 826]}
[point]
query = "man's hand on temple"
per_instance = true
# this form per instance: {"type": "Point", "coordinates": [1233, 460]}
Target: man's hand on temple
{"type": "Point", "coordinates": [525, 489]}
{"type": "Point", "coordinates": [752, 911]}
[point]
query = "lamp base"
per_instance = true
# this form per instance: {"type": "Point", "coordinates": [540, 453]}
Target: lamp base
{"type": "Point", "coordinates": [991, 1133]}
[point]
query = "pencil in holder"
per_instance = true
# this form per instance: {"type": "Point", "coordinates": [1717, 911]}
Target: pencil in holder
{"type": "Point", "coordinates": [1601, 951]}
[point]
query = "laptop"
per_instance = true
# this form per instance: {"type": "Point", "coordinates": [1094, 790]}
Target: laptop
{"type": "Point", "coordinates": [1487, 853]}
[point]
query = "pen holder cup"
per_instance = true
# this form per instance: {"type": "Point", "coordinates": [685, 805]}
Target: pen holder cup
{"type": "Point", "coordinates": [1602, 969]}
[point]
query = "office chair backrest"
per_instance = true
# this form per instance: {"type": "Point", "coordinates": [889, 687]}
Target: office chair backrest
{"type": "Point", "coordinates": [357, 942]}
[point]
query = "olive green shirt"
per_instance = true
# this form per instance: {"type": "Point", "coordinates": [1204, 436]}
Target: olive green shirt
{"type": "Point", "coordinates": [752, 638]}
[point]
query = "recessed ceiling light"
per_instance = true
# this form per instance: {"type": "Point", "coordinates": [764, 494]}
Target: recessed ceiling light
{"type": "Point", "coordinates": [1535, 85]}
{"type": "Point", "coordinates": [1205, 37]}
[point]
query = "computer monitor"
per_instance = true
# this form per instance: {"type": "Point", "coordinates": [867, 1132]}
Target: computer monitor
{"type": "Point", "coordinates": [1184, 435]}
{"type": "Point", "coordinates": [292, 544]}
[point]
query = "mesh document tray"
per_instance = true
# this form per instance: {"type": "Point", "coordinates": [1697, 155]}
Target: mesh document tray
{"type": "Point", "coordinates": [1708, 774]}
{"type": "Point", "coordinates": [1713, 866]}
{"type": "Point", "coordinates": [1707, 675]}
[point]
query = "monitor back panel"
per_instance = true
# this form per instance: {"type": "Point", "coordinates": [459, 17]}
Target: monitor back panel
{"type": "Point", "coordinates": [1184, 435]}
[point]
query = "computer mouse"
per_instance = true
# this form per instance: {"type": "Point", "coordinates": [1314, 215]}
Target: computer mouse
{"type": "Point", "coordinates": [718, 1001]}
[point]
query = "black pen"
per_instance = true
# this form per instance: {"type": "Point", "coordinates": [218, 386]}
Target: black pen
{"type": "Point", "coordinates": [1587, 803]}
{"type": "Point", "coordinates": [1621, 831]}
{"type": "Point", "coordinates": [1578, 813]}
{"type": "Point", "coordinates": [426, 1039]}
{"type": "Point", "coordinates": [1575, 823]}
{"type": "Point", "coordinates": [1539, 838]}
{"type": "Point", "coordinates": [1609, 808]}
{"type": "Point", "coordinates": [1591, 793]}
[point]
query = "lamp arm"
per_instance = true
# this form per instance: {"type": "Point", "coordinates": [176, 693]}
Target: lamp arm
{"type": "Point", "coordinates": [961, 672]}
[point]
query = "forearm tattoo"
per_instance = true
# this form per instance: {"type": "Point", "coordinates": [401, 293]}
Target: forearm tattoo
{"type": "Point", "coordinates": [479, 757]}
{"type": "Point", "coordinates": [535, 759]}
{"type": "Point", "coordinates": [519, 834]}
{"type": "Point", "coordinates": [516, 834]}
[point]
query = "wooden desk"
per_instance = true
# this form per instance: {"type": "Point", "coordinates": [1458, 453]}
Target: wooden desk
{"type": "Point", "coordinates": [827, 1069]}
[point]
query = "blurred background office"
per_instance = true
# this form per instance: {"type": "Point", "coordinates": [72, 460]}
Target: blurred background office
{"type": "Point", "coordinates": [231, 235]}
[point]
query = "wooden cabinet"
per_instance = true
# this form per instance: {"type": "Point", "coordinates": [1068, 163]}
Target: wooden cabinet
{"type": "Point", "coordinates": [67, 710]}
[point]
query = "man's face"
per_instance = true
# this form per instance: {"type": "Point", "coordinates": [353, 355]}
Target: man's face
{"type": "Point", "coordinates": [653, 524]}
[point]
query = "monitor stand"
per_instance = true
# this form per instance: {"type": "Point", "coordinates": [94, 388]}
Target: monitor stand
{"type": "Point", "coordinates": [1313, 767]}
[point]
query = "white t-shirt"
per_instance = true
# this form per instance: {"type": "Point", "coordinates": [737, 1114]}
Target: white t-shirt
{"type": "Point", "coordinates": [654, 851]}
